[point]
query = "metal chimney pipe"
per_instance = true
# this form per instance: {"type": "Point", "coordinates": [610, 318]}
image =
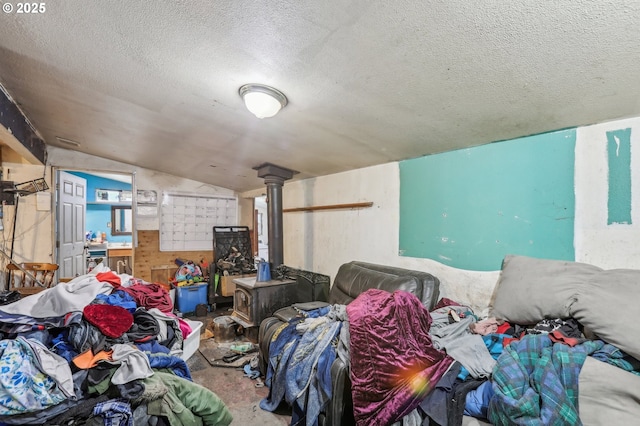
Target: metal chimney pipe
{"type": "Point", "coordinates": [274, 177]}
{"type": "Point", "coordinates": [274, 221]}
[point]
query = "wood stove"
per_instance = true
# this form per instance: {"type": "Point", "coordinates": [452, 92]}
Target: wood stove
{"type": "Point", "coordinates": [254, 301]}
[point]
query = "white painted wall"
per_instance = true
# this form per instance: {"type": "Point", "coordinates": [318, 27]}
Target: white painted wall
{"type": "Point", "coordinates": [607, 246]}
{"type": "Point", "coordinates": [144, 179]}
{"type": "Point", "coordinates": [34, 221]}
{"type": "Point", "coordinates": [34, 237]}
{"type": "Point", "coordinates": [322, 240]}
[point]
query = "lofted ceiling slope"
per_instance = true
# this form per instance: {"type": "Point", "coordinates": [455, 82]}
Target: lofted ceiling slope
{"type": "Point", "coordinates": [156, 83]}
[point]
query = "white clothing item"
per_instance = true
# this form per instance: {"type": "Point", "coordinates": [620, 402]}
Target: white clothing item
{"type": "Point", "coordinates": [53, 365]}
{"type": "Point", "coordinates": [61, 299]}
{"type": "Point", "coordinates": [134, 364]}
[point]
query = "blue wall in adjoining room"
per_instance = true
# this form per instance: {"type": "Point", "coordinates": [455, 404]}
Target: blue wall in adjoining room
{"type": "Point", "coordinates": [99, 214]}
{"type": "Point", "coordinates": [471, 207]}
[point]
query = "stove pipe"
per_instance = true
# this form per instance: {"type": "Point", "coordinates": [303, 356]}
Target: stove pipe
{"type": "Point", "coordinates": [274, 177]}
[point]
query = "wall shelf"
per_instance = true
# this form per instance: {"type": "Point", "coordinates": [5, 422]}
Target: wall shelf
{"type": "Point", "coordinates": [330, 207]}
{"type": "Point", "coordinates": [103, 203]}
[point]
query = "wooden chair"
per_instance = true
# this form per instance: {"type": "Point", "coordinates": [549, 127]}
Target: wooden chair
{"type": "Point", "coordinates": [24, 284]}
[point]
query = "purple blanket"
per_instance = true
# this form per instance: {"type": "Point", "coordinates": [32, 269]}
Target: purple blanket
{"type": "Point", "coordinates": [393, 362]}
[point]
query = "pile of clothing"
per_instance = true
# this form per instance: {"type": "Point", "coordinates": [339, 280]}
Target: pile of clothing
{"type": "Point", "coordinates": [382, 337]}
{"type": "Point", "coordinates": [434, 367]}
{"type": "Point", "coordinates": [100, 349]}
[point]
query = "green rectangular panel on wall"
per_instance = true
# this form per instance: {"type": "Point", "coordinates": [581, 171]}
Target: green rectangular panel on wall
{"type": "Point", "coordinates": [471, 207]}
{"type": "Point", "coordinates": [619, 161]}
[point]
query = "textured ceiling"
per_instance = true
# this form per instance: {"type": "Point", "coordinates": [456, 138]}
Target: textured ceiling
{"type": "Point", "coordinates": [156, 83]}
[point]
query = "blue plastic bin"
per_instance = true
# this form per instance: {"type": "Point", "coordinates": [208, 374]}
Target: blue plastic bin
{"type": "Point", "coordinates": [191, 296]}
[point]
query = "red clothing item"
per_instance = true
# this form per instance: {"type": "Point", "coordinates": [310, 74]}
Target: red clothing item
{"type": "Point", "coordinates": [502, 328]}
{"type": "Point", "coordinates": [109, 277]}
{"type": "Point", "coordinates": [150, 296]}
{"type": "Point", "coordinates": [112, 321]}
{"type": "Point", "coordinates": [557, 336]}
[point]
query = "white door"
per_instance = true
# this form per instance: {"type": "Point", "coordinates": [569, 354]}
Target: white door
{"type": "Point", "coordinates": [261, 225]}
{"type": "Point", "coordinates": [72, 209]}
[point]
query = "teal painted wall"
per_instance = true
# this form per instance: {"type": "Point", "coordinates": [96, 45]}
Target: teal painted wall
{"type": "Point", "coordinates": [469, 208]}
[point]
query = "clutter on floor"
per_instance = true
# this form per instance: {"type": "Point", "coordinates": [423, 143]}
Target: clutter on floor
{"type": "Point", "coordinates": [103, 347]}
{"type": "Point", "coordinates": [231, 354]}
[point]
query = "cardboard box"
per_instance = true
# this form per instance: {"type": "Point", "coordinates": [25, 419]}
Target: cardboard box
{"type": "Point", "coordinates": [226, 286]}
{"type": "Point", "coordinates": [163, 274]}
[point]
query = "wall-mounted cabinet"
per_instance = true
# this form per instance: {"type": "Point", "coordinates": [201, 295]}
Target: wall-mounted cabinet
{"type": "Point", "coordinates": [147, 203]}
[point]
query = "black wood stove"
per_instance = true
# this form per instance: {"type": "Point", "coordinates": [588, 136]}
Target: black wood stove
{"type": "Point", "coordinates": [254, 301]}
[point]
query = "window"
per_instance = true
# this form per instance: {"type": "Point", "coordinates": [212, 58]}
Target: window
{"type": "Point", "coordinates": [121, 220]}
{"type": "Point", "coordinates": [113, 196]}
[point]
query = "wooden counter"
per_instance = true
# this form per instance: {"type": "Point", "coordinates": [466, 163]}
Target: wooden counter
{"type": "Point", "coordinates": [113, 252]}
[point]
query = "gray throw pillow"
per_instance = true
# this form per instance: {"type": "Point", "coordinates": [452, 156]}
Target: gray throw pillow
{"type": "Point", "coordinates": [604, 301]}
{"type": "Point", "coordinates": [530, 290]}
{"type": "Point", "coordinates": [608, 306]}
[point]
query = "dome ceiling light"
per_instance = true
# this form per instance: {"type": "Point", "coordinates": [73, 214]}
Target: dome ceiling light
{"type": "Point", "coordinates": [263, 101]}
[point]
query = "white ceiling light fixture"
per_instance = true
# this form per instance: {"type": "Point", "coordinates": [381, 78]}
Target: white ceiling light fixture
{"type": "Point", "coordinates": [263, 101]}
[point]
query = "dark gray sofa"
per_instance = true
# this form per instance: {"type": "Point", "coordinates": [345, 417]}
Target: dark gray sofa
{"type": "Point", "coordinates": [352, 279]}
{"type": "Point", "coordinates": [355, 277]}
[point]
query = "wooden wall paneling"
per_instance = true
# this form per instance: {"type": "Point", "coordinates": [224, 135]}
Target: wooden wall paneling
{"type": "Point", "coordinates": [148, 255]}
